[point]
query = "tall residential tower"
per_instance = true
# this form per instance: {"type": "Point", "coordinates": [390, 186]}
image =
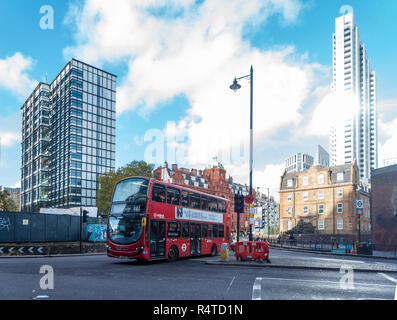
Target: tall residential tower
{"type": "Point", "coordinates": [355, 134]}
{"type": "Point", "coordinates": [68, 138]}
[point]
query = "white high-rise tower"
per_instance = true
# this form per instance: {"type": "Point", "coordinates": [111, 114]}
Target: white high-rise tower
{"type": "Point", "coordinates": [354, 136]}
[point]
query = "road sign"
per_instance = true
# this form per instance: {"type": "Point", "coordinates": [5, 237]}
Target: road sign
{"type": "Point", "coordinates": [249, 198]}
{"type": "Point", "coordinates": [359, 207]}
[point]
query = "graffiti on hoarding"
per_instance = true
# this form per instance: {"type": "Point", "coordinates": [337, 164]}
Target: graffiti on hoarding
{"type": "Point", "coordinates": [5, 224]}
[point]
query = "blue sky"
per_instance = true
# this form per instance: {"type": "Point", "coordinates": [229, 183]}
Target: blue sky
{"type": "Point", "coordinates": [173, 58]}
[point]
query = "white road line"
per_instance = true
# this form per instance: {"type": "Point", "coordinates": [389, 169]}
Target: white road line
{"type": "Point", "coordinates": [231, 282]}
{"type": "Point", "coordinates": [328, 282]}
{"type": "Point", "coordinates": [388, 277]}
{"type": "Point", "coordinates": [257, 289]}
{"type": "Point", "coordinates": [391, 279]}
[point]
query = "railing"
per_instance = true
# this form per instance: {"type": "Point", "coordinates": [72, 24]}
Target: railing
{"type": "Point", "coordinates": [375, 249]}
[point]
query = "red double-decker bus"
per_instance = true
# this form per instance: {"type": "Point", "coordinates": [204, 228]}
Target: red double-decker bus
{"type": "Point", "coordinates": [151, 220]}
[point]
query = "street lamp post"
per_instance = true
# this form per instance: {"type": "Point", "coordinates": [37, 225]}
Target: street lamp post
{"type": "Point", "coordinates": [235, 86]}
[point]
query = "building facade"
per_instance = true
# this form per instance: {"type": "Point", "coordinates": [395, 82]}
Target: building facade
{"type": "Point", "coordinates": [355, 135]}
{"type": "Point", "coordinates": [267, 215]}
{"type": "Point", "coordinates": [15, 195]}
{"type": "Point", "coordinates": [68, 138]}
{"type": "Point", "coordinates": [211, 180]}
{"type": "Point", "coordinates": [384, 207]}
{"type": "Point", "coordinates": [325, 197]}
{"type": "Point", "coordinates": [298, 162]}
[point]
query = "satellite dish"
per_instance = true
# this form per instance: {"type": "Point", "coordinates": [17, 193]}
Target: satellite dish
{"type": "Point", "coordinates": [346, 9]}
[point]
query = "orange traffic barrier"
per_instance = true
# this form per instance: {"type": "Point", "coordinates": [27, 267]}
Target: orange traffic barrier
{"type": "Point", "coordinates": [252, 250]}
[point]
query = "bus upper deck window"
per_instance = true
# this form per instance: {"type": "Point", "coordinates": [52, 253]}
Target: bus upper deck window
{"type": "Point", "coordinates": [158, 193]}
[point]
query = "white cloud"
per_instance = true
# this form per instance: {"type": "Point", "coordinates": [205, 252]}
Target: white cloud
{"type": "Point", "coordinates": [172, 48]}
{"type": "Point", "coordinates": [8, 138]}
{"type": "Point", "coordinates": [329, 110]}
{"type": "Point", "coordinates": [268, 177]}
{"type": "Point", "coordinates": [10, 132]}
{"type": "Point", "coordinates": [14, 77]}
{"type": "Point", "coordinates": [387, 131]}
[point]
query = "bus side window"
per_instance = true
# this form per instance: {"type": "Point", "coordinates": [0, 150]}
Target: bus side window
{"type": "Point", "coordinates": [158, 193]}
{"type": "Point", "coordinates": [214, 228]}
{"type": "Point", "coordinates": [204, 229]}
{"type": "Point", "coordinates": [221, 231]}
{"type": "Point", "coordinates": [185, 198]}
{"type": "Point", "coordinates": [222, 206]}
{"type": "Point", "coordinates": [194, 200]}
{"type": "Point", "coordinates": [213, 204]}
{"type": "Point", "coordinates": [173, 229]}
{"type": "Point", "coordinates": [185, 230]}
{"type": "Point", "coordinates": [204, 202]}
{"type": "Point", "coordinates": [173, 196]}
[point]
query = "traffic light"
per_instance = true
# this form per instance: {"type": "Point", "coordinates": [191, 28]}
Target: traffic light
{"type": "Point", "coordinates": [85, 215]}
{"type": "Point", "coordinates": [263, 214]}
{"type": "Point", "coordinates": [239, 203]}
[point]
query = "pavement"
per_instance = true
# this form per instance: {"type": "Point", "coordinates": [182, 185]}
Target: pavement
{"type": "Point", "coordinates": [312, 261]}
{"type": "Point", "coordinates": [375, 254]}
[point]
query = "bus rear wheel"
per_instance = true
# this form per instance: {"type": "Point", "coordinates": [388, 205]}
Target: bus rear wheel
{"type": "Point", "coordinates": [213, 250]}
{"type": "Point", "coordinates": [173, 254]}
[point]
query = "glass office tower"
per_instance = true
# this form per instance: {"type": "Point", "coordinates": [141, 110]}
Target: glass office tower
{"type": "Point", "coordinates": [73, 142]}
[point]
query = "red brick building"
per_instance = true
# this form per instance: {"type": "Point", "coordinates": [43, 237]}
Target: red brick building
{"type": "Point", "coordinates": [211, 180]}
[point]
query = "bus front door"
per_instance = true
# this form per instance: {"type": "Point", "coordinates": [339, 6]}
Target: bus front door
{"type": "Point", "coordinates": [195, 239]}
{"type": "Point", "coordinates": [157, 239]}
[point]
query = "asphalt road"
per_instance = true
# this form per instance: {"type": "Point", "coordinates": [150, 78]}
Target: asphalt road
{"type": "Point", "coordinates": [98, 277]}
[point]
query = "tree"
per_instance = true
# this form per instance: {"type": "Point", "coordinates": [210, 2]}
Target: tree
{"type": "Point", "coordinates": [302, 228]}
{"type": "Point", "coordinates": [108, 181]}
{"type": "Point", "coordinates": [6, 202]}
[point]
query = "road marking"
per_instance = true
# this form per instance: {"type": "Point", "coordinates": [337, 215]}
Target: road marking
{"type": "Point", "coordinates": [329, 282]}
{"type": "Point", "coordinates": [387, 277]}
{"type": "Point", "coordinates": [41, 297]}
{"type": "Point", "coordinates": [257, 289]}
{"type": "Point", "coordinates": [231, 282]}
{"type": "Point", "coordinates": [392, 280]}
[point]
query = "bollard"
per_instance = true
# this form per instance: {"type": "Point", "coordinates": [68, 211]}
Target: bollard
{"type": "Point", "coordinates": [225, 251]}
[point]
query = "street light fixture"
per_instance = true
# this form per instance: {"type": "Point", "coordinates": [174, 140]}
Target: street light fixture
{"type": "Point", "coordinates": [235, 86]}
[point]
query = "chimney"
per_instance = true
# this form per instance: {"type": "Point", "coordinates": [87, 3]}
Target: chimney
{"type": "Point", "coordinates": [174, 167]}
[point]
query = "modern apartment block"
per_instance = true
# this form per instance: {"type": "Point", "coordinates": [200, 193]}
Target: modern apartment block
{"type": "Point", "coordinates": [68, 138]}
{"type": "Point", "coordinates": [322, 157]}
{"type": "Point", "coordinates": [298, 162]}
{"type": "Point", "coordinates": [355, 136]}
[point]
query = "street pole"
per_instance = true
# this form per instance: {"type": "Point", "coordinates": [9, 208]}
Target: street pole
{"type": "Point", "coordinates": [235, 86]}
{"type": "Point", "coordinates": [268, 214]}
{"type": "Point", "coordinates": [251, 136]}
{"type": "Point", "coordinates": [80, 228]}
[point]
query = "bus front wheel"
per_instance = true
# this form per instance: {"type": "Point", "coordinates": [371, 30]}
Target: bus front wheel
{"type": "Point", "coordinates": [173, 254]}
